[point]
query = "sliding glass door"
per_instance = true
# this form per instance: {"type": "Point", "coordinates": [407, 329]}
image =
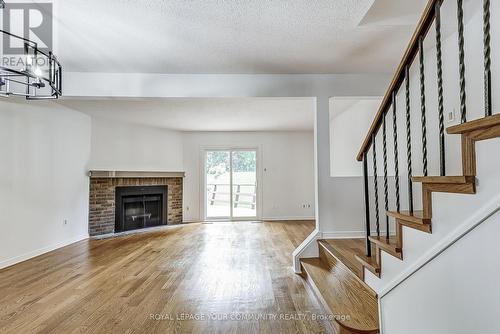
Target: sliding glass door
{"type": "Point", "coordinates": [244, 183]}
{"type": "Point", "coordinates": [218, 184]}
{"type": "Point", "coordinates": [231, 184]}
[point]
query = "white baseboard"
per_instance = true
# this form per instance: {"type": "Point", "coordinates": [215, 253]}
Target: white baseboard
{"type": "Point", "coordinates": [270, 219]}
{"type": "Point", "coordinates": [40, 251]}
{"type": "Point", "coordinates": [188, 221]}
{"type": "Point", "coordinates": [287, 218]}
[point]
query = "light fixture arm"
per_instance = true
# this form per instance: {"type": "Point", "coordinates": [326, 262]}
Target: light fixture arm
{"type": "Point", "coordinates": [40, 75]}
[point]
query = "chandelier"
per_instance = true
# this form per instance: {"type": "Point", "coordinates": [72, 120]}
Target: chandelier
{"type": "Point", "coordinates": [34, 74]}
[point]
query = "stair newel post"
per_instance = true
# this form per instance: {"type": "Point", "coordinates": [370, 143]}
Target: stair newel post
{"type": "Point", "coordinates": [386, 186]}
{"type": "Point", "coordinates": [442, 154]}
{"type": "Point", "coordinates": [396, 155]}
{"type": "Point", "coordinates": [461, 61]}
{"type": "Point", "coordinates": [487, 58]}
{"type": "Point", "coordinates": [375, 184]}
{"type": "Point", "coordinates": [422, 104]}
{"type": "Point", "coordinates": [408, 138]}
{"type": "Point", "coordinates": [367, 205]}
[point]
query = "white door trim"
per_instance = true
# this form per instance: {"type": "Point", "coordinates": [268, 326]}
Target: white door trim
{"type": "Point", "coordinates": [231, 148]}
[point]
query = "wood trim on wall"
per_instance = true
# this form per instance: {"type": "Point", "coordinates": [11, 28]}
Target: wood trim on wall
{"type": "Point", "coordinates": [133, 174]}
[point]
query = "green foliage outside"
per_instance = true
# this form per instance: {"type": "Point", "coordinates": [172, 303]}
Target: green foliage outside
{"type": "Point", "coordinates": [218, 162]}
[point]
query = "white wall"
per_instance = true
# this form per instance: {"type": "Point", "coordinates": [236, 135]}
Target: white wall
{"type": "Point", "coordinates": [131, 147]}
{"type": "Point", "coordinates": [350, 119]}
{"type": "Point", "coordinates": [287, 170]}
{"type": "Point", "coordinates": [457, 293]}
{"type": "Point", "coordinates": [45, 150]}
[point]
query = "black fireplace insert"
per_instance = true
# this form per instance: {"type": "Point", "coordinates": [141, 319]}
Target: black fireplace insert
{"type": "Point", "coordinates": [140, 207]}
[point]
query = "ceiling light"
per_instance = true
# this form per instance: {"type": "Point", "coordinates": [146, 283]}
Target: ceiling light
{"type": "Point", "coordinates": [41, 77]}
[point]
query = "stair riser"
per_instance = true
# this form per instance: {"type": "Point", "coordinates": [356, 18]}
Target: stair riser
{"type": "Point", "coordinates": [370, 267]}
{"type": "Point", "coordinates": [394, 250]}
{"type": "Point", "coordinates": [427, 190]}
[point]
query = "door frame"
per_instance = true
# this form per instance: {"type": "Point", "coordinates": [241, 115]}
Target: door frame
{"type": "Point", "coordinates": [259, 184]}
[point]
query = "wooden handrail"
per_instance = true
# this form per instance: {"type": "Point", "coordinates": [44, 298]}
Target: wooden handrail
{"type": "Point", "coordinates": [423, 26]}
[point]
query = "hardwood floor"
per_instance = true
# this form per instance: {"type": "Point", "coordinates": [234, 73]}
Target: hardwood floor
{"type": "Point", "coordinates": [156, 282]}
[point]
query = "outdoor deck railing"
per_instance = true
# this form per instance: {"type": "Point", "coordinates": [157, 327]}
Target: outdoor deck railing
{"type": "Point", "coordinates": [241, 197]}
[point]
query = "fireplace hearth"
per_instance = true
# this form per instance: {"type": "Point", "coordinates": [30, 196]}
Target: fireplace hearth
{"type": "Point", "coordinates": [140, 207]}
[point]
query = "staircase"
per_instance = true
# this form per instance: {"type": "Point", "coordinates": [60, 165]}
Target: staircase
{"type": "Point", "coordinates": [337, 276]}
{"type": "Point", "coordinates": [470, 132]}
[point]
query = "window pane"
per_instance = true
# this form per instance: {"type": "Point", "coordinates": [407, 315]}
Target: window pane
{"type": "Point", "coordinates": [218, 184]}
{"type": "Point", "coordinates": [244, 184]}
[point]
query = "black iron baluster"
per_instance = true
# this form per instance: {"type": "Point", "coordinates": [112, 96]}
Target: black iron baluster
{"type": "Point", "coordinates": [367, 205]}
{"type": "Point", "coordinates": [396, 156]}
{"type": "Point", "coordinates": [375, 181]}
{"type": "Point", "coordinates": [461, 61]}
{"type": "Point", "coordinates": [442, 153]}
{"type": "Point", "coordinates": [487, 58]}
{"type": "Point", "coordinates": [386, 187]}
{"type": "Point", "coordinates": [422, 103]}
{"type": "Point", "coordinates": [408, 140]}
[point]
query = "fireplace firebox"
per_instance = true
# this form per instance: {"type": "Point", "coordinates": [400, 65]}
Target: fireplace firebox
{"type": "Point", "coordinates": [140, 207]}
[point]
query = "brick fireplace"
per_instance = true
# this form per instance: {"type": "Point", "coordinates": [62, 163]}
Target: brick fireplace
{"type": "Point", "coordinates": [102, 202]}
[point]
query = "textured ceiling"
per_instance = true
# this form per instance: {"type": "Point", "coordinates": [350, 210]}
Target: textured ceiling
{"type": "Point", "coordinates": [237, 36]}
{"type": "Point", "coordinates": [204, 114]}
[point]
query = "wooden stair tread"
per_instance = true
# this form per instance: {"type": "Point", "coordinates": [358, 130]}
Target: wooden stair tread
{"type": "Point", "coordinates": [345, 250]}
{"type": "Point", "coordinates": [417, 226]}
{"type": "Point", "coordinates": [478, 124]}
{"type": "Point", "coordinates": [343, 295]}
{"type": "Point", "coordinates": [369, 263]}
{"type": "Point", "coordinates": [342, 253]}
{"type": "Point", "coordinates": [444, 179]}
{"type": "Point", "coordinates": [447, 184]}
{"type": "Point", "coordinates": [416, 217]}
{"type": "Point", "coordinates": [390, 246]}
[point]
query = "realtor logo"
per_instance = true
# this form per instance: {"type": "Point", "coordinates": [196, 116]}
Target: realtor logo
{"type": "Point", "coordinates": [32, 21]}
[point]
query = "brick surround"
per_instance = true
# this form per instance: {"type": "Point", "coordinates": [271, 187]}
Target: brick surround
{"type": "Point", "coordinates": [102, 200]}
